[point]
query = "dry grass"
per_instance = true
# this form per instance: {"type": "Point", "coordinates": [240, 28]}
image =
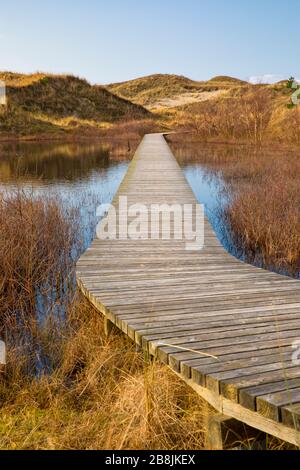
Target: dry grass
{"type": "Point", "coordinates": [150, 90]}
{"type": "Point", "coordinates": [33, 261]}
{"type": "Point", "coordinates": [244, 114]}
{"type": "Point", "coordinates": [263, 212]}
{"type": "Point", "coordinates": [66, 385]}
{"type": "Point", "coordinates": [100, 395]}
{"type": "Point", "coordinates": [133, 130]}
{"type": "Point", "coordinates": [222, 109]}
{"type": "Point", "coordinates": [21, 80]}
{"type": "Point", "coordinates": [256, 114]}
{"type": "Point", "coordinates": [44, 103]}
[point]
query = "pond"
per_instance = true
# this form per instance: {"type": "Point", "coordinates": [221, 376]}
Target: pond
{"type": "Point", "coordinates": [252, 200]}
{"type": "Point", "coordinates": [84, 175]}
{"type": "Point", "coordinates": [81, 175]}
{"type": "Point", "coordinates": [87, 174]}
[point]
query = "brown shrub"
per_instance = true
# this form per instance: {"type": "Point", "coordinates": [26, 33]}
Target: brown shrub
{"type": "Point", "coordinates": [67, 386]}
{"type": "Point", "coordinates": [36, 241]}
{"type": "Point", "coordinates": [262, 187]}
{"type": "Point", "coordinates": [243, 115]}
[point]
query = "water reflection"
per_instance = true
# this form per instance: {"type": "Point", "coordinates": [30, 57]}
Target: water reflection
{"type": "Point", "coordinates": [218, 172]}
{"type": "Point", "coordinates": [81, 175]}
{"type": "Point", "coordinates": [84, 175]}
{"type": "Point", "coordinates": [207, 185]}
{"type": "Point", "coordinates": [50, 162]}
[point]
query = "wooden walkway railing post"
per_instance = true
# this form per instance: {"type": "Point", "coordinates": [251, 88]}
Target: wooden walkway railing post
{"type": "Point", "coordinates": [2, 356]}
{"type": "Point", "coordinates": [225, 433]}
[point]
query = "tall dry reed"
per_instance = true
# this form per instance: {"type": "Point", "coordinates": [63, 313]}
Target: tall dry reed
{"type": "Point", "coordinates": [66, 386]}
{"type": "Point", "coordinates": [261, 185]}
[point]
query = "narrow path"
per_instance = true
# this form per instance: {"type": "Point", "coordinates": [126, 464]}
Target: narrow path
{"type": "Point", "coordinates": [227, 328]}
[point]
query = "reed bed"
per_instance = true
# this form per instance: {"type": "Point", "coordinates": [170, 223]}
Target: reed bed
{"type": "Point", "coordinates": [36, 242]}
{"type": "Point", "coordinates": [67, 385]}
{"type": "Point", "coordinates": [262, 211]}
{"type": "Point", "coordinates": [101, 394]}
{"type": "Point", "coordinates": [260, 115]}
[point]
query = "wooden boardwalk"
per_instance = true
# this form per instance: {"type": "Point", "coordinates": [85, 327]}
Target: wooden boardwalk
{"type": "Point", "coordinates": [180, 305]}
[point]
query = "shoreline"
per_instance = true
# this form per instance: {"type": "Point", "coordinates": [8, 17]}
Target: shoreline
{"type": "Point", "coordinates": [62, 138]}
{"type": "Point", "coordinates": [179, 139]}
{"type": "Point", "coordinates": [242, 143]}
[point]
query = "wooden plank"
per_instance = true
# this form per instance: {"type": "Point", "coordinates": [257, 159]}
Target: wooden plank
{"type": "Point", "coordinates": [248, 396]}
{"type": "Point", "coordinates": [235, 333]}
{"type": "Point", "coordinates": [191, 358]}
{"type": "Point", "coordinates": [270, 405]}
{"type": "Point", "coordinates": [276, 338]}
{"type": "Point", "coordinates": [291, 416]}
{"type": "Point", "coordinates": [230, 388]}
{"type": "Point", "coordinates": [224, 432]}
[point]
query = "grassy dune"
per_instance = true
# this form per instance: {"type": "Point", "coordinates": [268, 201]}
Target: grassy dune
{"type": "Point", "coordinates": [49, 104]}
{"type": "Point", "coordinates": [220, 109]}
{"type": "Point", "coordinates": [149, 91]}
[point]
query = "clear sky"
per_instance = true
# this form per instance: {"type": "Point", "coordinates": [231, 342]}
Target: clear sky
{"type": "Point", "coordinates": [114, 40]}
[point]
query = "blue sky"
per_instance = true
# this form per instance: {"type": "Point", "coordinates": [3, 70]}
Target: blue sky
{"type": "Point", "coordinates": [114, 40]}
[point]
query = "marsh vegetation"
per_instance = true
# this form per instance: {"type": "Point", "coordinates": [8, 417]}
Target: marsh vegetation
{"type": "Point", "coordinates": [66, 385]}
{"type": "Point", "coordinates": [257, 213]}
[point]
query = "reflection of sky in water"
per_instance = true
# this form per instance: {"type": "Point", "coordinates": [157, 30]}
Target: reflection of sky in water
{"type": "Point", "coordinates": [83, 194]}
{"type": "Point", "coordinates": [86, 175]}
{"type": "Point", "coordinates": [207, 189]}
{"type": "Point", "coordinates": [83, 178]}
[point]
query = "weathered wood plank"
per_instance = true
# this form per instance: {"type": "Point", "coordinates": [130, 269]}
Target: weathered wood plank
{"type": "Point", "coordinates": [270, 405]}
{"type": "Point", "coordinates": [291, 416]}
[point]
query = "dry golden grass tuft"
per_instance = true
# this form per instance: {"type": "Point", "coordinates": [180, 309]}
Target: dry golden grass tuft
{"type": "Point", "coordinates": [262, 215]}
{"type": "Point", "coordinates": [100, 395]}
{"type": "Point", "coordinates": [66, 385]}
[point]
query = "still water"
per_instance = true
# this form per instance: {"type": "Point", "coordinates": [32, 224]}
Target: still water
{"type": "Point", "coordinates": [85, 175]}
{"type": "Point", "coordinates": [81, 176]}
